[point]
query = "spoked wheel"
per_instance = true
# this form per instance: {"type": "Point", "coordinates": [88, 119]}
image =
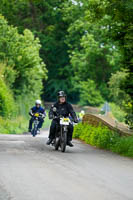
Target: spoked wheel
{"type": "Point", "coordinates": [63, 141]}
{"type": "Point", "coordinates": [34, 132]}
{"type": "Point", "coordinates": [57, 143]}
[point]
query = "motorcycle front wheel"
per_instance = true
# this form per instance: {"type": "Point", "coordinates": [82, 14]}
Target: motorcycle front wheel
{"type": "Point", "coordinates": [34, 131]}
{"type": "Point", "coordinates": [63, 141]}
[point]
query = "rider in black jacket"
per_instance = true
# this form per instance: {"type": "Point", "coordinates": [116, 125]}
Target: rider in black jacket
{"type": "Point", "coordinates": [64, 109]}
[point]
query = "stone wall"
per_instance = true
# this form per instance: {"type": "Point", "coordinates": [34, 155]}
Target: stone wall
{"type": "Point", "coordinates": [95, 121]}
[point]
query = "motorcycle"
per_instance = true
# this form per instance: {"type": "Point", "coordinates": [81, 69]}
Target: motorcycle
{"type": "Point", "coordinates": [34, 131]}
{"type": "Point", "coordinates": [60, 140]}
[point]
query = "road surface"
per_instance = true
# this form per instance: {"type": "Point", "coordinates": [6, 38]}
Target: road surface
{"type": "Point", "coordinates": [30, 170]}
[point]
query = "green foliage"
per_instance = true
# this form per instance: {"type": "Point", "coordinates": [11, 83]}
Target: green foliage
{"type": "Point", "coordinates": [19, 124]}
{"type": "Point", "coordinates": [93, 55]}
{"type": "Point", "coordinates": [89, 95]}
{"type": "Point", "coordinates": [74, 48]}
{"type": "Point", "coordinates": [13, 126]}
{"type": "Point", "coordinates": [104, 138]}
{"type": "Point", "coordinates": [119, 95]}
{"type": "Point", "coordinates": [22, 72]}
{"type": "Point", "coordinates": [24, 69]}
{"type": "Point", "coordinates": [21, 52]}
{"type": "Point", "coordinates": [99, 136]}
{"type": "Point", "coordinates": [44, 19]}
{"type": "Point", "coordinates": [119, 27]}
{"type": "Point", "coordinates": [117, 112]}
{"type": "Point", "coordinates": [129, 120]}
{"type": "Point", "coordinates": [80, 40]}
{"type": "Point", "coordinates": [124, 146]}
{"type": "Point", "coordinates": [7, 104]}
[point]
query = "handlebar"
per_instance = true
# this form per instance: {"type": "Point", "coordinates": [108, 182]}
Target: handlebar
{"type": "Point", "coordinates": [72, 120]}
{"type": "Point", "coordinates": [39, 115]}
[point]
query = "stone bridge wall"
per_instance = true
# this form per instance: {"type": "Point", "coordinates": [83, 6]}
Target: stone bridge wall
{"type": "Point", "coordinates": [97, 120]}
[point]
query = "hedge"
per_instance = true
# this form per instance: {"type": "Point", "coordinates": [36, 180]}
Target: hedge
{"type": "Point", "coordinates": [104, 138]}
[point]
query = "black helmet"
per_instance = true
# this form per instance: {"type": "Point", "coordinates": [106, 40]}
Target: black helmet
{"type": "Point", "coordinates": [61, 94]}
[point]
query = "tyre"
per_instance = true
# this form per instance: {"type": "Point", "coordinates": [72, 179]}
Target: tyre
{"type": "Point", "coordinates": [34, 132]}
{"type": "Point", "coordinates": [57, 143]}
{"type": "Point", "coordinates": [63, 141]}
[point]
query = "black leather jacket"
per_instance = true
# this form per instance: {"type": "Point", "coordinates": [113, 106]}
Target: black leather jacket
{"type": "Point", "coordinates": [65, 110]}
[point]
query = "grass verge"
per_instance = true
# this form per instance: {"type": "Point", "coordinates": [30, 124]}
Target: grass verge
{"type": "Point", "coordinates": [102, 137]}
{"type": "Point", "coordinates": [18, 125]}
{"type": "Point", "coordinates": [14, 126]}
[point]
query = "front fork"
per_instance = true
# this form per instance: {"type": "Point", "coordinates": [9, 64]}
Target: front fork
{"type": "Point", "coordinates": [36, 124]}
{"type": "Point", "coordinates": [64, 129]}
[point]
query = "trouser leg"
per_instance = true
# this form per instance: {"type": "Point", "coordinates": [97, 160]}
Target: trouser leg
{"type": "Point", "coordinates": [40, 123]}
{"type": "Point", "coordinates": [52, 129]}
{"type": "Point", "coordinates": [70, 132]}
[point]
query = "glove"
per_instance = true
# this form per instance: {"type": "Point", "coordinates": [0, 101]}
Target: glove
{"type": "Point", "coordinates": [42, 115]}
{"type": "Point", "coordinates": [31, 114]}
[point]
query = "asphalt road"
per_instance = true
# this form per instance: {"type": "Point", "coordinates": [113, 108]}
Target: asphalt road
{"type": "Point", "coordinates": [30, 170]}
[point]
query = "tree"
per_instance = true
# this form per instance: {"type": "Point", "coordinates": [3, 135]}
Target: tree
{"type": "Point", "coordinates": [23, 69]}
{"type": "Point", "coordinates": [92, 53]}
{"type": "Point", "coordinates": [81, 40]}
{"type": "Point", "coordinates": [21, 53]}
{"type": "Point", "coordinates": [89, 95]}
{"type": "Point", "coordinates": [44, 19]}
{"type": "Point", "coordinates": [120, 97]}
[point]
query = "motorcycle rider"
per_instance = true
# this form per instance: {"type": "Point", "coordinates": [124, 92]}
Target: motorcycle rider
{"type": "Point", "coordinates": [64, 109]}
{"type": "Point", "coordinates": [37, 109]}
{"type": "Point", "coordinates": [81, 115]}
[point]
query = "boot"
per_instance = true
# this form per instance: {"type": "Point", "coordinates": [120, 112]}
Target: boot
{"type": "Point", "coordinates": [69, 143]}
{"type": "Point", "coordinates": [49, 141]}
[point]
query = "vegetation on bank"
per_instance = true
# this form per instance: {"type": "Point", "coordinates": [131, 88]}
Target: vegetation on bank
{"type": "Point", "coordinates": [22, 72]}
{"type": "Point", "coordinates": [86, 46]}
{"type": "Point", "coordinates": [19, 125]}
{"type": "Point", "coordinates": [104, 138]}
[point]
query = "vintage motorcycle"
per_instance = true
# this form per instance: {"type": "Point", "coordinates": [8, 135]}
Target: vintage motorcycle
{"type": "Point", "coordinates": [35, 131]}
{"type": "Point", "coordinates": [61, 132]}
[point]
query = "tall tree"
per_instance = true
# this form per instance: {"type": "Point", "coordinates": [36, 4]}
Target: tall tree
{"type": "Point", "coordinates": [44, 19]}
{"type": "Point", "coordinates": [81, 40]}
{"type": "Point", "coordinates": [23, 69]}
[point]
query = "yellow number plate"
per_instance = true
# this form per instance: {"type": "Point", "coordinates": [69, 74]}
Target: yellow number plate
{"type": "Point", "coordinates": [66, 119]}
{"type": "Point", "coordinates": [36, 114]}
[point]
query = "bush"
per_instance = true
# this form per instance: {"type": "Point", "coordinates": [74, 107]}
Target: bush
{"type": "Point", "coordinates": [103, 137]}
{"type": "Point", "coordinates": [124, 146]}
{"type": "Point", "coordinates": [15, 126]}
{"type": "Point", "coordinates": [18, 125]}
{"type": "Point", "coordinates": [7, 104]}
{"type": "Point", "coordinates": [117, 112]}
